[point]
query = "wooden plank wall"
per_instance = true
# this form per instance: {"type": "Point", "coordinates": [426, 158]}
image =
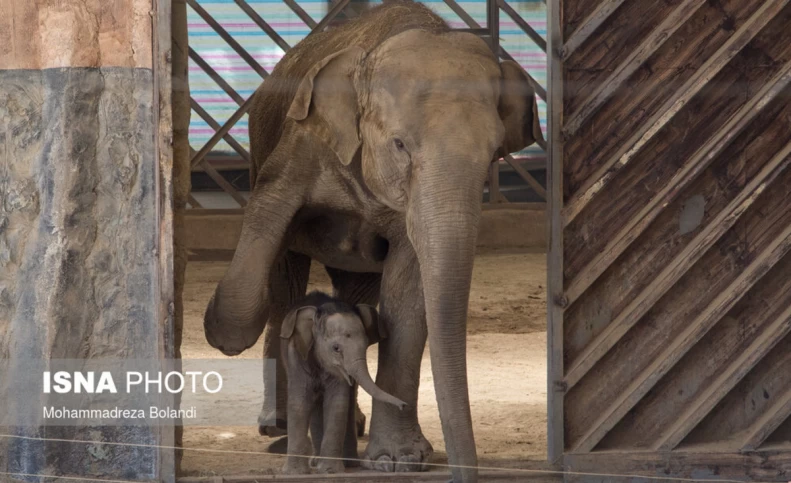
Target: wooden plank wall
{"type": "Point", "coordinates": [674, 136]}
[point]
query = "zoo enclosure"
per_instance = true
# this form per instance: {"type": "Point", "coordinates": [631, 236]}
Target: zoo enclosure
{"type": "Point", "coordinates": [220, 58]}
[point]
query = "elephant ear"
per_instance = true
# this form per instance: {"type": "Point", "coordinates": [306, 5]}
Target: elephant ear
{"type": "Point", "coordinates": [518, 109]}
{"type": "Point", "coordinates": [328, 87]}
{"type": "Point", "coordinates": [299, 326]}
{"type": "Point", "coordinates": [374, 326]}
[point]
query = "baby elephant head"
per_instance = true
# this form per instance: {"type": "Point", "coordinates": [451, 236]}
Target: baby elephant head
{"type": "Point", "coordinates": [339, 335]}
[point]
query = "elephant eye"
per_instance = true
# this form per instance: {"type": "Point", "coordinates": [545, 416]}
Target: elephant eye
{"type": "Point", "coordinates": [336, 347]}
{"type": "Point", "coordinates": [399, 144]}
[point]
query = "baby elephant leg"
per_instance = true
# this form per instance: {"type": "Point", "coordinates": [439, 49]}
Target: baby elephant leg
{"type": "Point", "coordinates": [350, 455]}
{"type": "Point", "coordinates": [301, 400]}
{"type": "Point", "coordinates": [336, 414]}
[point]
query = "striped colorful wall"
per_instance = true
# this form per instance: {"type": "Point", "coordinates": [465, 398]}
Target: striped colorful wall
{"type": "Point", "coordinates": [244, 80]}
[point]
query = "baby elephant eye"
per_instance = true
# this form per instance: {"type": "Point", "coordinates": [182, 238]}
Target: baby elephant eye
{"type": "Point", "coordinates": [399, 144]}
{"type": "Point", "coordinates": [336, 347]}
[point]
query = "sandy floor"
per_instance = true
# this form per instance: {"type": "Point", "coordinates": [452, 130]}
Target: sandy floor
{"type": "Point", "coordinates": [507, 370]}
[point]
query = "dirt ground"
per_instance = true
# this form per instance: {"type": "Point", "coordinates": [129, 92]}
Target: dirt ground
{"type": "Point", "coordinates": [506, 355]}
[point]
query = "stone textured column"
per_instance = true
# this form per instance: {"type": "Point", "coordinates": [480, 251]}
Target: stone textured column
{"type": "Point", "coordinates": [80, 209]}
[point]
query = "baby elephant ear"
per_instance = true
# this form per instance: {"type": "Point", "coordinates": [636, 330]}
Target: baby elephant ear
{"type": "Point", "coordinates": [374, 326]}
{"type": "Point", "coordinates": [299, 325]}
{"type": "Point", "coordinates": [327, 102]}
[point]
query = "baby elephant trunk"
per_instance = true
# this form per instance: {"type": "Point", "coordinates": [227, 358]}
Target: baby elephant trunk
{"type": "Point", "coordinates": [359, 371]}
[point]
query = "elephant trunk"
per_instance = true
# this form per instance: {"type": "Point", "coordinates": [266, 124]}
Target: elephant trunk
{"type": "Point", "coordinates": [359, 372]}
{"type": "Point", "coordinates": [442, 223]}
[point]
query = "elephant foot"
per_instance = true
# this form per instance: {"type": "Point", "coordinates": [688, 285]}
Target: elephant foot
{"type": "Point", "coordinates": [329, 466]}
{"type": "Point", "coordinates": [359, 419]}
{"type": "Point", "coordinates": [272, 424]}
{"type": "Point", "coordinates": [397, 451]}
{"type": "Point", "coordinates": [228, 338]}
{"type": "Point", "coordinates": [299, 467]}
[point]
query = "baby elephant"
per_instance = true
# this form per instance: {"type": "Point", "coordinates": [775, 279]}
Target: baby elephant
{"type": "Point", "coordinates": [324, 346]}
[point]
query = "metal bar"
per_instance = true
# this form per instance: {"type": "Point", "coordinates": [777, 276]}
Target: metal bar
{"type": "Point", "coordinates": [302, 14]}
{"type": "Point", "coordinates": [193, 202]}
{"type": "Point", "coordinates": [334, 11]}
{"type": "Point", "coordinates": [216, 126]}
{"type": "Point", "coordinates": [463, 15]}
{"type": "Point", "coordinates": [494, 182]}
{"type": "Point", "coordinates": [224, 184]}
{"type": "Point", "coordinates": [527, 206]}
{"type": "Point", "coordinates": [555, 311]}
{"type": "Point", "coordinates": [227, 37]}
{"type": "Point", "coordinates": [222, 131]}
{"type": "Point", "coordinates": [481, 31]}
{"type": "Point", "coordinates": [542, 93]}
{"type": "Point", "coordinates": [263, 25]}
{"type": "Point", "coordinates": [633, 61]}
{"type": "Point", "coordinates": [589, 25]}
{"type": "Point", "coordinates": [526, 28]}
{"type": "Point", "coordinates": [689, 171]}
{"type": "Point", "coordinates": [648, 129]}
{"type": "Point", "coordinates": [674, 270]}
{"type": "Point", "coordinates": [525, 175]}
{"type": "Point", "coordinates": [493, 24]}
{"type": "Point", "coordinates": [215, 76]}
{"type": "Point", "coordinates": [726, 380]}
{"type": "Point", "coordinates": [768, 423]}
{"type": "Point", "coordinates": [665, 361]}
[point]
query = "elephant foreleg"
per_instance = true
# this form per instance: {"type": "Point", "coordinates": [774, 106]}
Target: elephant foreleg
{"type": "Point", "coordinates": [237, 313]}
{"type": "Point", "coordinates": [396, 440]}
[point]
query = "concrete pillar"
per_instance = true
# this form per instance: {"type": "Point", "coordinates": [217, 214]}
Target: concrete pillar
{"type": "Point", "coordinates": [85, 216]}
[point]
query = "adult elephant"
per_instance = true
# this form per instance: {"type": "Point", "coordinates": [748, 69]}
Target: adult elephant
{"type": "Point", "coordinates": [371, 144]}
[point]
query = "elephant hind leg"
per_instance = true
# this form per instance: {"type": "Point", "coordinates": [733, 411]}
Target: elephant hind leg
{"type": "Point", "coordinates": [356, 288]}
{"type": "Point", "coordinates": [288, 284]}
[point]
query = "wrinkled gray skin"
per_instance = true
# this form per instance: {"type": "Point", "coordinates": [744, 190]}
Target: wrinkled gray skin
{"type": "Point", "coordinates": [371, 144]}
{"type": "Point", "coordinates": [324, 347]}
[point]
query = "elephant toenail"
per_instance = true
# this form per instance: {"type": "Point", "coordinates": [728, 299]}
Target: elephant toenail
{"type": "Point", "coordinates": [385, 463]}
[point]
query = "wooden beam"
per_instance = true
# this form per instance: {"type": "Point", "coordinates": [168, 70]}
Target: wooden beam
{"type": "Point", "coordinates": [525, 175]}
{"type": "Point", "coordinates": [227, 38]}
{"type": "Point", "coordinates": [526, 28]}
{"type": "Point", "coordinates": [493, 476]}
{"type": "Point", "coordinates": [224, 184]}
{"type": "Point", "coordinates": [647, 130]}
{"type": "Point", "coordinates": [272, 33]}
{"type": "Point", "coordinates": [689, 171]}
{"type": "Point", "coordinates": [588, 26]}
{"type": "Point", "coordinates": [668, 358]}
{"type": "Point", "coordinates": [216, 126]}
{"type": "Point", "coordinates": [555, 390]}
{"type": "Point", "coordinates": [631, 63]}
{"type": "Point", "coordinates": [222, 132]}
{"type": "Point", "coordinates": [768, 423]}
{"type": "Point", "coordinates": [698, 464]}
{"type": "Point", "coordinates": [726, 380]}
{"type": "Point", "coordinates": [674, 270]}
{"type": "Point", "coordinates": [193, 202]}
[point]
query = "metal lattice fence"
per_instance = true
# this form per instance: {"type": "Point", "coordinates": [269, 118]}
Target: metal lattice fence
{"type": "Point", "coordinates": [234, 44]}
